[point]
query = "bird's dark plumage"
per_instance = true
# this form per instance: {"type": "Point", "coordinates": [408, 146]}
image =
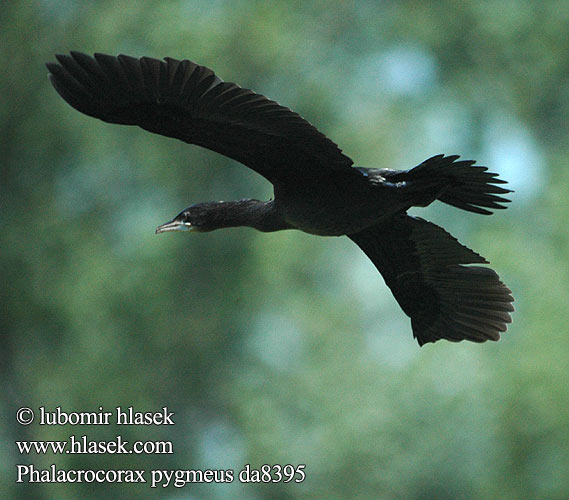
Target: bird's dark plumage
{"type": "Point", "coordinates": [424, 266]}
{"type": "Point", "coordinates": [188, 102]}
{"type": "Point", "coordinates": [317, 190]}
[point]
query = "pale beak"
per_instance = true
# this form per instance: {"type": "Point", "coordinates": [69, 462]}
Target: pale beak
{"type": "Point", "coordinates": [174, 225]}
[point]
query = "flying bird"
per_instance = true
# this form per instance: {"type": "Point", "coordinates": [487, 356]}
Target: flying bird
{"type": "Point", "coordinates": [317, 189]}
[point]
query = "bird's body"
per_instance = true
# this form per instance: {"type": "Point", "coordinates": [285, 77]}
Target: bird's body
{"type": "Point", "coordinates": [301, 205]}
{"type": "Point", "coordinates": [316, 188]}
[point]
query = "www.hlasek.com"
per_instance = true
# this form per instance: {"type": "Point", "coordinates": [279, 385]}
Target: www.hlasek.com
{"type": "Point", "coordinates": [28, 473]}
{"type": "Point", "coordinates": [82, 445]}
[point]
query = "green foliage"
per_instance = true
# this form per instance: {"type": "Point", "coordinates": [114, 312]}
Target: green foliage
{"type": "Point", "coordinates": [285, 348]}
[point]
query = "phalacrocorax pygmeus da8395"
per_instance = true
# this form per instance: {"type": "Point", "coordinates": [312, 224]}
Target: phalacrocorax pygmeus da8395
{"type": "Point", "coordinates": [316, 187]}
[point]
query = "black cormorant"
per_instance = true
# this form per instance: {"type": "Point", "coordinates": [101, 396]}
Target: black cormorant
{"type": "Point", "coordinates": [316, 188]}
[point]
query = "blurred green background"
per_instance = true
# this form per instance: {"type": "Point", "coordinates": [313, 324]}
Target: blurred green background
{"type": "Point", "coordinates": [285, 348]}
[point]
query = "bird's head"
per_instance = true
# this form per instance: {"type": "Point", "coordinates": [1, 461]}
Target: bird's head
{"type": "Point", "coordinates": [200, 217]}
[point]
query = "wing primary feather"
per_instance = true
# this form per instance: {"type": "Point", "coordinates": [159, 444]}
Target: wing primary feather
{"type": "Point", "coordinates": [181, 99]}
{"type": "Point", "coordinates": [426, 269]}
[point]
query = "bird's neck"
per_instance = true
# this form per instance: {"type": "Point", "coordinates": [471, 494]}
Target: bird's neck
{"type": "Point", "coordinates": [261, 215]}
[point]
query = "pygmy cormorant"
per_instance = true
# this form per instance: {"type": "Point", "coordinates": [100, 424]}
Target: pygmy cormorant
{"type": "Point", "coordinates": [316, 188]}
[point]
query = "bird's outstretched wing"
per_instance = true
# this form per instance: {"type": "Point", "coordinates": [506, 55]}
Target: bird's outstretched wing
{"type": "Point", "coordinates": [424, 266]}
{"type": "Point", "coordinates": [184, 100]}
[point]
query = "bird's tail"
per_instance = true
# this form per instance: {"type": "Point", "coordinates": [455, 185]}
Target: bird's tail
{"type": "Point", "coordinates": [458, 183]}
